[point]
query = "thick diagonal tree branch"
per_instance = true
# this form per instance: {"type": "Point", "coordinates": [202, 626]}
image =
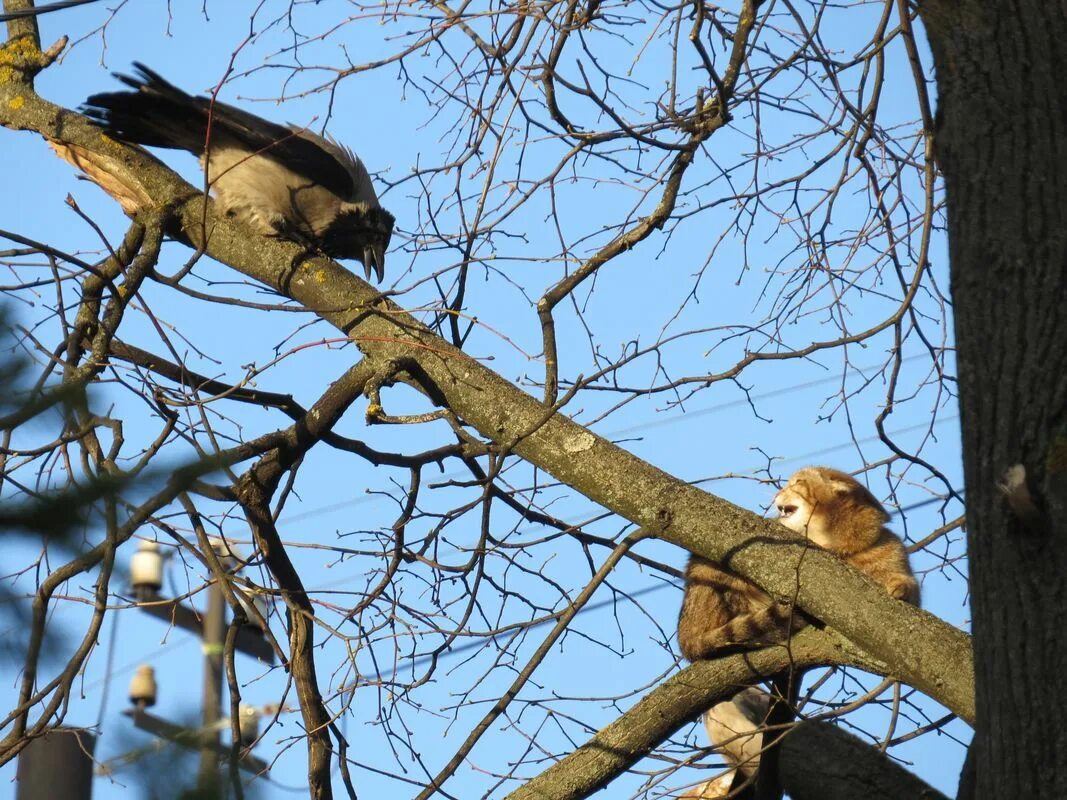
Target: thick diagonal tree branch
{"type": "Point", "coordinates": [916, 647]}
{"type": "Point", "coordinates": [749, 545]}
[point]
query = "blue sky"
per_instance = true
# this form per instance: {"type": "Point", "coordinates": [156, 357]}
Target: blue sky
{"type": "Point", "coordinates": [720, 436]}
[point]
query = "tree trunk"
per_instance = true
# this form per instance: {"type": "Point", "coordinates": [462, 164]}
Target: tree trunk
{"type": "Point", "coordinates": [1002, 144]}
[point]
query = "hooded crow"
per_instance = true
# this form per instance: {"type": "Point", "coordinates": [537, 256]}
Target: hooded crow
{"type": "Point", "coordinates": [282, 181]}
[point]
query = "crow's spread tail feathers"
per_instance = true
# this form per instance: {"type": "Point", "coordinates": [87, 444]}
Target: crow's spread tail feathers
{"type": "Point", "coordinates": [157, 113]}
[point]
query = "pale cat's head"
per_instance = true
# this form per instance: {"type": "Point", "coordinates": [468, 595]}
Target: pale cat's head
{"type": "Point", "coordinates": [831, 508]}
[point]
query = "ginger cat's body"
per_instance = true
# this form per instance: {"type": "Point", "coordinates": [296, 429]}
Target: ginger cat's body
{"type": "Point", "coordinates": [832, 510]}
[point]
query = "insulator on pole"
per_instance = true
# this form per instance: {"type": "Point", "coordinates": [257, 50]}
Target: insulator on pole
{"type": "Point", "coordinates": [143, 687]}
{"type": "Point", "coordinates": [146, 570]}
{"type": "Point", "coordinates": [248, 723]}
{"type": "Point", "coordinates": [252, 603]}
{"type": "Point", "coordinates": [228, 555]}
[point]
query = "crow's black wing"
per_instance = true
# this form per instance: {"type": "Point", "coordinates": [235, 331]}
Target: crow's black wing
{"type": "Point", "coordinates": [159, 114]}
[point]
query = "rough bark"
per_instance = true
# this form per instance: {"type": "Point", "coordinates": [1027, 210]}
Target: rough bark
{"type": "Point", "coordinates": [819, 761]}
{"type": "Point", "coordinates": [1002, 144]}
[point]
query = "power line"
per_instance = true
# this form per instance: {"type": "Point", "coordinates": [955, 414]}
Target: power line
{"type": "Point", "coordinates": [683, 417]}
{"type": "Point", "coordinates": [589, 511]}
{"type": "Point", "coordinates": [665, 584]}
{"type": "Point", "coordinates": [793, 459]}
{"type": "Point", "coordinates": [727, 404]}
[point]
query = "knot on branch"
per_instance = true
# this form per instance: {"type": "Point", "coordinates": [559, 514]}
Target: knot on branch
{"type": "Point", "coordinates": [21, 58]}
{"type": "Point", "coordinates": [1013, 485]}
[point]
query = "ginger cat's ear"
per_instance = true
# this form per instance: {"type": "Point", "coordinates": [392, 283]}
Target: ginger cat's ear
{"type": "Point", "coordinates": [840, 487]}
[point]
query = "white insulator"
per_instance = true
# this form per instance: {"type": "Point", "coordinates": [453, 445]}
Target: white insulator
{"type": "Point", "coordinates": [143, 687]}
{"type": "Point", "coordinates": [251, 603]}
{"type": "Point", "coordinates": [146, 567]}
{"type": "Point", "coordinates": [229, 557]}
{"type": "Point", "coordinates": [248, 723]}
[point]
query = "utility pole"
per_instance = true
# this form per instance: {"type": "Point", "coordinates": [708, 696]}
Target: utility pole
{"type": "Point", "coordinates": [214, 637]}
{"type": "Point", "coordinates": [58, 764]}
{"type": "Point", "coordinates": [211, 626]}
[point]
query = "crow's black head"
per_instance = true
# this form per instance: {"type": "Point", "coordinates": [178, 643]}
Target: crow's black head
{"type": "Point", "coordinates": [362, 234]}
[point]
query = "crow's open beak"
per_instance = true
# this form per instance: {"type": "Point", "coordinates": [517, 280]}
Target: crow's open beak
{"type": "Point", "coordinates": [374, 259]}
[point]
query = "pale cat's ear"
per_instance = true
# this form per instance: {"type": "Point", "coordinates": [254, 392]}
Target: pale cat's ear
{"type": "Point", "coordinates": [840, 487]}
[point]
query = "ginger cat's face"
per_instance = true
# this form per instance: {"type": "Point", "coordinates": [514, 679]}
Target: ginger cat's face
{"type": "Point", "coordinates": [798, 500]}
{"type": "Point", "coordinates": [817, 500]}
{"type": "Point", "coordinates": [794, 507]}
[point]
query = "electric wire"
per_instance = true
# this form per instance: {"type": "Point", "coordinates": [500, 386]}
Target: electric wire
{"type": "Point", "coordinates": [657, 423]}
